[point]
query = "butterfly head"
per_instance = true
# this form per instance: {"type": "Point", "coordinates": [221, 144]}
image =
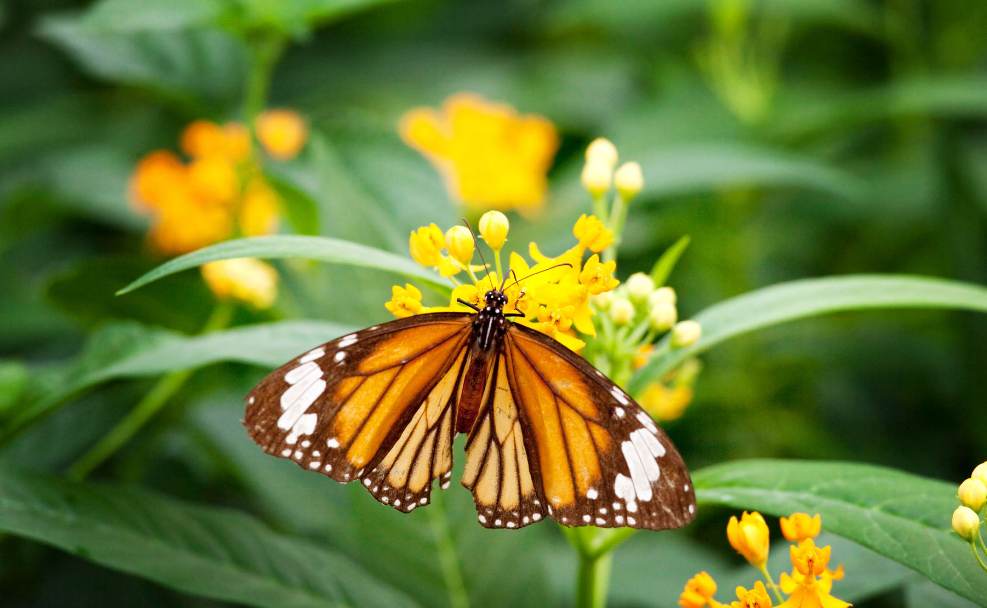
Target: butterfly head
{"type": "Point", "coordinates": [496, 300]}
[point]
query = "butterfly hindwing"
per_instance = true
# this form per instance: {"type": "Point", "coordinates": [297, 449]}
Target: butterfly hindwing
{"type": "Point", "coordinates": [498, 470]}
{"type": "Point", "coordinates": [598, 457]}
{"type": "Point", "coordinates": [376, 405]}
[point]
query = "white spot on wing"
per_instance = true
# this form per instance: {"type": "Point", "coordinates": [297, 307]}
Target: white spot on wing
{"type": "Point", "coordinates": [251, 401]}
{"type": "Point", "coordinates": [647, 421]}
{"type": "Point", "coordinates": [340, 356]}
{"type": "Point", "coordinates": [644, 452]}
{"type": "Point", "coordinates": [294, 375]}
{"type": "Point", "coordinates": [586, 518]}
{"type": "Point", "coordinates": [536, 516]}
{"type": "Point", "coordinates": [638, 473]}
{"type": "Point", "coordinates": [347, 340]}
{"type": "Point", "coordinates": [619, 411]}
{"type": "Point", "coordinates": [692, 509]}
{"type": "Point", "coordinates": [332, 442]}
{"type": "Point", "coordinates": [317, 353]}
{"type": "Point", "coordinates": [619, 395]}
{"type": "Point", "coordinates": [591, 494]}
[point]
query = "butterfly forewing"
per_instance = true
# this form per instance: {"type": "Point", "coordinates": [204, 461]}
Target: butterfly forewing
{"type": "Point", "coordinates": [378, 404]}
{"type": "Point", "coordinates": [599, 458]}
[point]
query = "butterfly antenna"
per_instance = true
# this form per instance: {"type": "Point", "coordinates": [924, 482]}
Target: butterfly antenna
{"type": "Point", "coordinates": [477, 246]}
{"type": "Point", "coordinates": [517, 280]}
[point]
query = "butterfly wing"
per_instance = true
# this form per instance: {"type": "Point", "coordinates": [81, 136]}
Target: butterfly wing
{"type": "Point", "coordinates": [376, 405]}
{"type": "Point", "coordinates": [593, 455]}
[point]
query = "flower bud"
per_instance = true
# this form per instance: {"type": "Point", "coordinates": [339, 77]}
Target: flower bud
{"type": "Point", "coordinates": [596, 177]}
{"type": "Point", "coordinates": [459, 242]}
{"type": "Point", "coordinates": [603, 300]}
{"type": "Point", "coordinates": [493, 229]}
{"type": "Point", "coordinates": [281, 132]}
{"type": "Point", "coordinates": [973, 494]}
{"type": "Point", "coordinates": [686, 333]}
{"type": "Point", "coordinates": [750, 537]}
{"type": "Point", "coordinates": [426, 245]}
{"type": "Point", "coordinates": [698, 591]}
{"type": "Point", "coordinates": [246, 279]}
{"type": "Point", "coordinates": [662, 316]}
{"type": "Point", "coordinates": [601, 150]}
{"type": "Point", "coordinates": [662, 294]}
{"type": "Point", "coordinates": [980, 472]}
{"type": "Point", "coordinates": [800, 526]}
{"type": "Point", "coordinates": [628, 180]}
{"type": "Point", "coordinates": [640, 286]}
{"type": "Point", "coordinates": [966, 523]}
{"type": "Point", "coordinates": [621, 311]}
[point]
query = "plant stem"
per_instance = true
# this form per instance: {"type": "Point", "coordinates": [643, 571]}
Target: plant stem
{"type": "Point", "coordinates": [600, 208]}
{"type": "Point", "coordinates": [145, 409]}
{"type": "Point", "coordinates": [618, 217]}
{"type": "Point", "coordinates": [593, 581]}
{"type": "Point", "coordinates": [265, 49]}
{"type": "Point", "coordinates": [500, 272]}
{"type": "Point", "coordinates": [448, 558]}
{"type": "Point", "coordinates": [767, 576]}
{"type": "Point", "coordinates": [976, 553]}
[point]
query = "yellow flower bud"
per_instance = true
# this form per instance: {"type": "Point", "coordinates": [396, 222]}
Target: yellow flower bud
{"type": "Point", "coordinates": [459, 242]}
{"type": "Point", "coordinates": [622, 311]}
{"type": "Point", "coordinates": [214, 180]}
{"type": "Point", "coordinates": [640, 286]}
{"type": "Point", "coordinates": [662, 316]}
{"type": "Point", "coordinates": [664, 403]}
{"type": "Point", "coordinates": [404, 302]}
{"type": "Point", "coordinates": [493, 229]}
{"type": "Point", "coordinates": [596, 177]}
{"type": "Point", "coordinates": [980, 472]}
{"type": "Point", "coordinates": [281, 132]}
{"type": "Point", "coordinates": [426, 245]}
{"type": "Point", "coordinates": [750, 537]}
{"type": "Point", "coordinates": [800, 526]}
{"type": "Point", "coordinates": [662, 294]}
{"type": "Point", "coordinates": [592, 234]}
{"type": "Point", "coordinates": [686, 333]}
{"type": "Point", "coordinates": [602, 151]}
{"type": "Point", "coordinates": [973, 493]}
{"type": "Point", "coordinates": [628, 180]}
{"type": "Point", "coordinates": [965, 523]}
{"type": "Point", "coordinates": [246, 279]}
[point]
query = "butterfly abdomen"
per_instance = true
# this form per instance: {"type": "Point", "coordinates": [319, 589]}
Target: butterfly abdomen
{"type": "Point", "coordinates": [475, 381]}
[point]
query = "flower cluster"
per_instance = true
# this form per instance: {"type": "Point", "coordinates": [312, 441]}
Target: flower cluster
{"type": "Point", "coordinates": [490, 156]}
{"type": "Point", "coordinates": [972, 493]}
{"type": "Point", "coordinates": [216, 193]}
{"type": "Point", "coordinates": [552, 294]}
{"type": "Point", "coordinates": [809, 584]}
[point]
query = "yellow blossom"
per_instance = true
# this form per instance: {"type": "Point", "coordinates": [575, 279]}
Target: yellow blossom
{"type": "Point", "coordinates": [459, 243]}
{"type": "Point", "coordinates": [966, 523]}
{"type": "Point", "coordinates": [202, 139]}
{"type": "Point", "coordinates": [427, 244]}
{"type": "Point", "coordinates": [662, 295]}
{"type": "Point", "coordinates": [806, 590]}
{"type": "Point", "coordinates": [699, 592]}
{"type": "Point", "coordinates": [973, 493]}
{"type": "Point", "coordinates": [800, 526]}
{"type": "Point", "coordinates": [259, 209]}
{"type": "Point", "coordinates": [156, 175]}
{"type": "Point", "coordinates": [628, 180]}
{"type": "Point", "coordinates": [596, 178]}
{"type": "Point", "coordinates": [622, 311]}
{"type": "Point", "coordinates": [246, 279]}
{"type": "Point", "coordinates": [665, 403]}
{"type": "Point", "coordinates": [493, 229]}
{"type": "Point", "coordinates": [980, 472]}
{"type": "Point", "coordinates": [556, 322]}
{"type": "Point", "coordinates": [662, 316]}
{"type": "Point", "coordinates": [686, 333]}
{"type": "Point", "coordinates": [214, 180]}
{"type": "Point", "coordinates": [603, 151]}
{"type": "Point", "coordinates": [488, 154]}
{"type": "Point", "coordinates": [405, 302]}
{"type": "Point", "coordinates": [750, 537]}
{"type": "Point", "coordinates": [642, 356]}
{"type": "Point", "coordinates": [598, 277]}
{"type": "Point", "coordinates": [181, 225]}
{"type": "Point", "coordinates": [755, 598]}
{"type": "Point", "coordinates": [592, 234]}
{"type": "Point", "coordinates": [281, 132]}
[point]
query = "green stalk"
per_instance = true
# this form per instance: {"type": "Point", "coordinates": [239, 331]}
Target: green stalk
{"type": "Point", "coordinates": [265, 49]}
{"type": "Point", "coordinates": [448, 558]}
{"type": "Point", "coordinates": [150, 405]}
{"type": "Point", "coordinates": [618, 219]}
{"type": "Point", "coordinates": [767, 576]}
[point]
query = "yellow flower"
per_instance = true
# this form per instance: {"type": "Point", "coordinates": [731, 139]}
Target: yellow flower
{"type": "Point", "coordinates": [806, 590]}
{"type": "Point", "coordinates": [427, 245]}
{"type": "Point", "coordinates": [592, 234]}
{"type": "Point", "coordinates": [459, 243]}
{"type": "Point", "coordinates": [596, 177]}
{"type": "Point", "coordinates": [966, 523]}
{"type": "Point", "coordinates": [259, 209]}
{"type": "Point", "coordinates": [214, 181]}
{"type": "Point", "coordinates": [281, 132]}
{"type": "Point", "coordinates": [556, 323]}
{"type": "Point", "coordinates": [662, 316]}
{"type": "Point", "coordinates": [800, 526]}
{"type": "Point", "coordinates": [621, 311]}
{"type": "Point", "coordinates": [182, 225]}
{"type": "Point", "coordinates": [980, 472]}
{"type": "Point", "coordinates": [629, 180]}
{"type": "Point", "coordinates": [686, 333]}
{"type": "Point", "coordinates": [202, 139]}
{"type": "Point", "coordinates": [488, 154]}
{"type": "Point", "coordinates": [755, 598]}
{"type": "Point", "coordinates": [699, 592]}
{"type": "Point", "coordinates": [750, 537]}
{"type": "Point", "coordinates": [493, 229]}
{"type": "Point", "coordinates": [664, 403]}
{"type": "Point", "coordinates": [973, 493]}
{"type": "Point", "coordinates": [246, 279]}
{"type": "Point", "coordinates": [603, 151]}
{"type": "Point", "coordinates": [642, 356]}
{"type": "Point", "coordinates": [405, 302]}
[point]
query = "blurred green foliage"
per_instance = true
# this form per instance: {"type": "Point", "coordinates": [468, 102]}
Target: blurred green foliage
{"type": "Point", "coordinates": [789, 139]}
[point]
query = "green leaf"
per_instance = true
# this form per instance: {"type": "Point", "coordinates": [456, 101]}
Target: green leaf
{"type": "Point", "coordinates": [131, 350]}
{"type": "Point", "coordinates": [215, 553]}
{"type": "Point", "coordinates": [302, 212]}
{"type": "Point", "coordinates": [128, 16]}
{"type": "Point", "coordinates": [709, 167]}
{"type": "Point", "coordinates": [323, 249]}
{"type": "Point", "coordinates": [13, 380]}
{"type": "Point", "coordinates": [298, 17]}
{"type": "Point", "coordinates": [901, 516]}
{"type": "Point", "coordinates": [807, 298]}
{"type": "Point", "coordinates": [666, 263]}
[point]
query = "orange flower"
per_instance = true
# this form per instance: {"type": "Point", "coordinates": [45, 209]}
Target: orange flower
{"type": "Point", "coordinates": [202, 139]}
{"type": "Point", "coordinates": [246, 279]}
{"type": "Point", "coordinates": [259, 209]}
{"type": "Point", "coordinates": [750, 537]}
{"type": "Point", "coordinates": [489, 155]}
{"type": "Point", "coordinates": [806, 590]}
{"type": "Point", "coordinates": [755, 598]}
{"type": "Point", "coordinates": [156, 175]}
{"type": "Point", "coordinates": [281, 132]}
{"type": "Point", "coordinates": [664, 403]}
{"type": "Point", "coordinates": [699, 592]}
{"type": "Point", "coordinates": [800, 526]}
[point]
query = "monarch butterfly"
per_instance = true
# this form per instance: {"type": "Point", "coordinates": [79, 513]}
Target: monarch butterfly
{"type": "Point", "coordinates": [548, 434]}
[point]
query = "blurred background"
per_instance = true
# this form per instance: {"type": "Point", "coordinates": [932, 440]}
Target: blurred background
{"type": "Point", "coordinates": [788, 138]}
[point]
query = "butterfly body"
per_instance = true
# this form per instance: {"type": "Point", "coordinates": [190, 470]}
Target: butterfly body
{"type": "Point", "coordinates": [548, 435]}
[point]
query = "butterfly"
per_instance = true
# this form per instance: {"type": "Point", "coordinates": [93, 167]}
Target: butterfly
{"type": "Point", "coordinates": [548, 434]}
